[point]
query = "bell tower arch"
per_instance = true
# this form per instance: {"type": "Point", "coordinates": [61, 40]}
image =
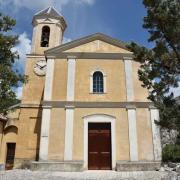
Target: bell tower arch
{"type": "Point", "coordinates": [48, 30]}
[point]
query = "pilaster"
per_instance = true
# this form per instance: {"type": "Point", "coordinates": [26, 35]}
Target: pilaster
{"type": "Point", "coordinates": [133, 144]}
{"type": "Point", "coordinates": [70, 109]}
{"type": "Point", "coordinates": [129, 78]}
{"type": "Point", "coordinates": [131, 110]}
{"type": "Point", "coordinates": [46, 112]}
{"type": "Point", "coordinates": [44, 140]}
{"type": "Point", "coordinates": [71, 79]}
{"type": "Point", "coordinates": [154, 114]}
{"type": "Point", "coordinates": [69, 133]}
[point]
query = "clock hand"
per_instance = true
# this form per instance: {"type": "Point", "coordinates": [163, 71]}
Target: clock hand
{"type": "Point", "coordinates": [41, 67]}
{"type": "Point", "coordinates": [38, 65]}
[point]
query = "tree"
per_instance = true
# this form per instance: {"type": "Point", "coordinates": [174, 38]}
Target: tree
{"type": "Point", "coordinates": [160, 66]}
{"type": "Point", "coordinates": [10, 78]}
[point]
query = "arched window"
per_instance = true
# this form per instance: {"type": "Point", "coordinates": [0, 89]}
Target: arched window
{"type": "Point", "coordinates": [45, 36]}
{"type": "Point", "coordinates": [98, 83]}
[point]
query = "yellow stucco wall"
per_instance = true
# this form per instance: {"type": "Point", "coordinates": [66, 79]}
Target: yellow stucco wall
{"type": "Point", "coordinates": [54, 40]}
{"type": "Point", "coordinates": [33, 89]}
{"type": "Point", "coordinates": [9, 136]}
{"type": "Point", "coordinates": [29, 129]}
{"type": "Point", "coordinates": [60, 80]}
{"type": "Point", "coordinates": [115, 80]}
{"type": "Point", "coordinates": [14, 113]}
{"type": "Point", "coordinates": [30, 118]}
{"type": "Point", "coordinates": [98, 46]}
{"type": "Point", "coordinates": [57, 134]}
{"type": "Point", "coordinates": [28, 133]}
{"type": "Point", "coordinates": [121, 123]}
{"type": "Point", "coordinates": [1, 129]}
{"type": "Point", "coordinates": [144, 134]}
{"type": "Point", "coordinates": [8, 133]}
{"type": "Point", "coordinates": [140, 93]}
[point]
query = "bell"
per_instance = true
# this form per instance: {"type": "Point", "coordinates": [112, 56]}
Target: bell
{"type": "Point", "coordinates": [46, 39]}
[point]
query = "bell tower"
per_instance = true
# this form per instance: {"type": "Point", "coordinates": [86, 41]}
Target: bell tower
{"type": "Point", "coordinates": [48, 29]}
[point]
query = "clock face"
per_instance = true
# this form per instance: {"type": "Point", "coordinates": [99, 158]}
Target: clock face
{"type": "Point", "coordinates": [40, 68]}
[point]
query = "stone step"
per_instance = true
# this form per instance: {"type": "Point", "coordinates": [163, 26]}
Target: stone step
{"type": "Point", "coordinates": [86, 175]}
{"type": "Point", "coordinates": [77, 166]}
{"type": "Point", "coordinates": [63, 166]}
{"type": "Point", "coordinates": [138, 166]}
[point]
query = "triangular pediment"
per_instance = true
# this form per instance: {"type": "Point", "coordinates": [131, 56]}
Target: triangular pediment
{"type": "Point", "coordinates": [96, 43]}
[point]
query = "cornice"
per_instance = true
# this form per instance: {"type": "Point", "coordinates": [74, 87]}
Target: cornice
{"type": "Point", "coordinates": [78, 104]}
{"type": "Point", "coordinates": [35, 56]}
{"type": "Point", "coordinates": [87, 55]}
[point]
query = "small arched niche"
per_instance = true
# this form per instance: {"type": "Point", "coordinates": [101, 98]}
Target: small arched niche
{"type": "Point", "coordinates": [11, 129]}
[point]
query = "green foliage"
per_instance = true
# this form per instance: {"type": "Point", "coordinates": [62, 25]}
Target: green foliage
{"type": "Point", "coordinates": [160, 66]}
{"type": "Point", "coordinates": [9, 78]}
{"type": "Point", "coordinates": [171, 152]}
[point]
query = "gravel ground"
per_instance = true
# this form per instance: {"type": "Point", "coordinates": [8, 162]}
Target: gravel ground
{"type": "Point", "coordinates": [86, 175]}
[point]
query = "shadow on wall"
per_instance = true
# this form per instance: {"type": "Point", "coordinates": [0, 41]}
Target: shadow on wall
{"type": "Point", "coordinates": [11, 129]}
{"type": "Point", "coordinates": [37, 129]}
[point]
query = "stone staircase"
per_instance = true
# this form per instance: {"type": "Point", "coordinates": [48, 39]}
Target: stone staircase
{"type": "Point", "coordinates": [87, 175]}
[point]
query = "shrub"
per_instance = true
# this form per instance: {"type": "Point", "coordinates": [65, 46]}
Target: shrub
{"type": "Point", "coordinates": [171, 152]}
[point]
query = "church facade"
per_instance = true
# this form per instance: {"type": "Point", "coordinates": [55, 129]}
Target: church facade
{"type": "Point", "coordinates": [83, 106]}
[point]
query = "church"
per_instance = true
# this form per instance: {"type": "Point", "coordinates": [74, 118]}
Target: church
{"type": "Point", "coordinates": [83, 107]}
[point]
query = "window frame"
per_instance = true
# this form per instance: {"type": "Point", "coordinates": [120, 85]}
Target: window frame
{"type": "Point", "coordinates": [104, 82]}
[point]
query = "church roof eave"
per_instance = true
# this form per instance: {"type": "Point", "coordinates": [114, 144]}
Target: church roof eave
{"type": "Point", "coordinates": [89, 55]}
{"type": "Point", "coordinates": [84, 40]}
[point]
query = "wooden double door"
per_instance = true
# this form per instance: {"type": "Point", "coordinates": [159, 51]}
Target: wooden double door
{"type": "Point", "coordinates": [99, 146]}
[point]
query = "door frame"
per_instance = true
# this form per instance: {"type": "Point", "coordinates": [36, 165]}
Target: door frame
{"type": "Point", "coordinates": [7, 153]}
{"type": "Point", "coordinates": [100, 118]}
